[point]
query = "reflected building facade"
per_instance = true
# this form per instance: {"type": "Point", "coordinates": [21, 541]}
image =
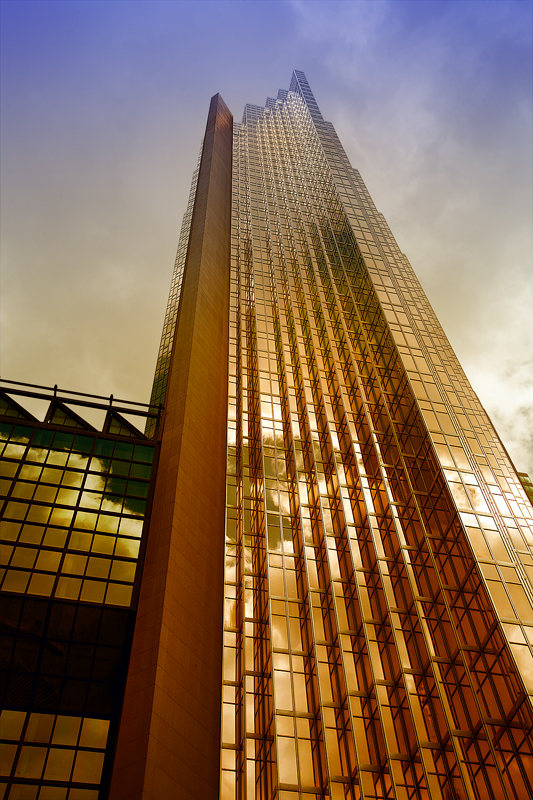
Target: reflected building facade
{"type": "Point", "coordinates": [73, 505]}
{"type": "Point", "coordinates": [337, 551]}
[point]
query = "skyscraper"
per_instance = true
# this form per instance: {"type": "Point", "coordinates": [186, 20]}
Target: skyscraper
{"type": "Point", "coordinates": [337, 551]}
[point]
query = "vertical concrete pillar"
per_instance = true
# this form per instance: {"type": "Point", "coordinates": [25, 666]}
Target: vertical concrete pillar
{"type": "Point", "coordinates": [169, 739]}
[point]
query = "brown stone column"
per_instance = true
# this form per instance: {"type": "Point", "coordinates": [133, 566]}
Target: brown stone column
{"type": "Point", "coordinates": [169, 739]}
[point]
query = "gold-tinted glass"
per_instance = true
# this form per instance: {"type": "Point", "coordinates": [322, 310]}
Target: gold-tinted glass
{"type": "Point", "coordinates": [57, 749]}
{"type": "Point", "coordinates": [377, 538]}
{"type": "Point", "coordinates": [72, 516]}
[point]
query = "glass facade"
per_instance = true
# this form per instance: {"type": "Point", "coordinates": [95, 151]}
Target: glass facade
{"type": "Point", "coordinates": [378, 626]}
{"type": "Point", "coordinates": [167, 337]}
{"type": "Point", "coordinates": [73, 501]}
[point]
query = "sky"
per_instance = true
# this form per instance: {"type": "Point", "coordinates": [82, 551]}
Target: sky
{"type": "Point", "coordinates": [104, 103]}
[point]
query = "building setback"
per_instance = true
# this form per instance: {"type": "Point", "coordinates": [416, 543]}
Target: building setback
{"type": "Point", "coordinates": [311, 577]}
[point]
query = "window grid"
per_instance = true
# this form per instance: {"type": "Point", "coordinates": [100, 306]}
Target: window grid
{"type": "Point", "coordinates": [72, 513]}
{"type": "Point", "coordinates": [376, 603]}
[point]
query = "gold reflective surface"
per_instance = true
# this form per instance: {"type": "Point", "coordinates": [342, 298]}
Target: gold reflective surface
{"type": "Point", "coordinates": [56, 749]}
{"type": "Point", "coordinates": [379, 547]}
{"type": "Point", "coordinates": [58, 541]}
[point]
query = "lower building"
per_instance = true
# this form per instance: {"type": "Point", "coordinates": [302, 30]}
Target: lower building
{"type": "Point", "coordinates": [71, 534]}
{"type": "Point", "coordinates": [311, 577]}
